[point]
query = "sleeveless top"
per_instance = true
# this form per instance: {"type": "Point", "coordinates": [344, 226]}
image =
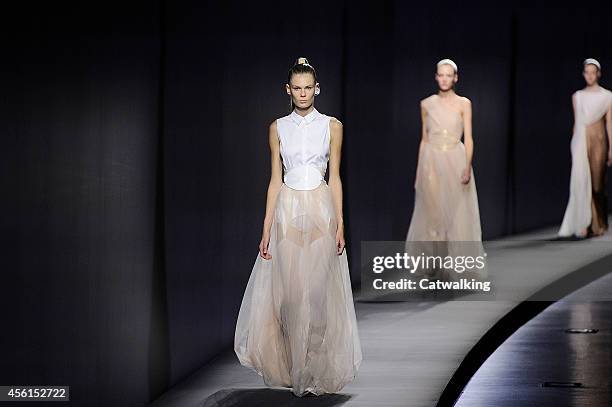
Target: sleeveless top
{"type": "Point", "coordinates": [304, 148]}
{"type": "Point", "coordinates": [443, 124]}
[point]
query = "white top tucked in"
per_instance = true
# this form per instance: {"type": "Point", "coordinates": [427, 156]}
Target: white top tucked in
{"type": "Point", "coordinates": [304, 148]}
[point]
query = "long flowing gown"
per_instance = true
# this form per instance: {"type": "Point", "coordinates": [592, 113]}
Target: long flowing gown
{"type": "Point", "coordinates": [445, 209]}
{"type": "Point", "coordinates": [297, 326]}
{"type": "Point", "coordinates": [587, 205]}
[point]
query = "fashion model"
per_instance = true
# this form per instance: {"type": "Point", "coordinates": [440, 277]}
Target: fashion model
{"type": "Point", "coordinates": [296, 326]}
{"type": "Point", "coordinates": [587, 211]}
{"type": "Point", "coordinates": [446, 203]}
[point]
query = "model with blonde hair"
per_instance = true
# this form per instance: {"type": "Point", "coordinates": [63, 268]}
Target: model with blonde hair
{"type": "Point", "coordinates": [446, 203]}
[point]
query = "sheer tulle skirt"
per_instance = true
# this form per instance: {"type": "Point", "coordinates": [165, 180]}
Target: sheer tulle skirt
{"type": "Point", "coordinates": [445, 210]}
{"type": "Point", "coordinates": [296, 326]}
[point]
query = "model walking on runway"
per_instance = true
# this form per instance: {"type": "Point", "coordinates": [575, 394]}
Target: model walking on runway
{"type": "Point", "coordinates": [296, 326]}
{"type": "Point", "coordinates": [446, 203]}
{"type": "Point", "coordinates": [587, 210]}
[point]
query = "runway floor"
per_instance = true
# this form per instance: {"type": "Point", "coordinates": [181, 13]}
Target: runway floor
{"type": "Point", "coordinates": [543, 365]}
{"type": "Point", "coordinates": [410, 349]}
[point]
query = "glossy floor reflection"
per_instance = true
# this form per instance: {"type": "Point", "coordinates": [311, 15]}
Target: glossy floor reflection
{"type": "Point", "coordinates": [542, 351]}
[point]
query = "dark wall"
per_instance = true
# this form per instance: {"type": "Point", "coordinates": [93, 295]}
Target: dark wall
{"type": "Point", "coordinates": [135, 157]}
{"type": "Point", "coordinates": [375, 61]}
{"type": "Point", "coordinates": [392, 49]}
{"type": "Point", "coordinates": [83, 297]}
{"type": "Point", "coordinates": [192, 115]}
{"type": "Point", "coordinates": [224, 86]}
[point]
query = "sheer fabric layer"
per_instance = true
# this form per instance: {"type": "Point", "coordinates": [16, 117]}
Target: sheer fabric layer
{"type": "Point", "coordinates": [297, 326]}
{"type": "Point", "coordinates": [445, 209]}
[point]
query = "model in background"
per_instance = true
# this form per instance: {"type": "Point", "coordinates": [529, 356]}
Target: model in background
{"type": "Point", "coordinates": [446, 203]}
{"type": "Point", "coordinates": [587, 210]}
{"type": "Point", "coordinates": [297, 325]}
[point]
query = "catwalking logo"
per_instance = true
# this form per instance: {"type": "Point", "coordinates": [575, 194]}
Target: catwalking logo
{"type": "Point", "coordinates": [427, 262]}
{"type": "Point", "coordinates": [427, 284]}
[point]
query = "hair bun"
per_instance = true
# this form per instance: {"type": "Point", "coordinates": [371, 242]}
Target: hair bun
{"type": "Point", "coordinates": [301, 61]}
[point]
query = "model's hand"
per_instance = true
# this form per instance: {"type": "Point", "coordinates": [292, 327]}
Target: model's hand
{"type": "Point", "coordinates": [263, 246]}
{"type": "Point", "coordinates": [610, 157]}
{"type": "Point", "coordinates": [466, 175]}
{"type": "Point", "coordinates": [340, 243]}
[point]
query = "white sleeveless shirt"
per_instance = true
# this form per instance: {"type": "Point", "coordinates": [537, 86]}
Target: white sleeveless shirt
{"type": "Point", "coordinates": [304, 148]}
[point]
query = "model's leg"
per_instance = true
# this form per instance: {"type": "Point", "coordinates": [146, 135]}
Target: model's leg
{"type": "Point", "coordinates": [597, 153]}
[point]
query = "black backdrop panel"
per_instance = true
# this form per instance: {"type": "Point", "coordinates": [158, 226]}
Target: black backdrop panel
{"type": "Point", "coordinates": [548, 70]}
{"type": "Point", "coordinates": [392, 51]}
{"type": "Point", "coordinates": [135, 159]}
{"type": "Point", "coordinates": [83, 304]}
{"type": "Point", "coordinates": [226, 73]}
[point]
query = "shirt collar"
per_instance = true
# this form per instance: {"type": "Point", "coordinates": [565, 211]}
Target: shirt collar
{"type": "Point", "coordinates": [308, 118]}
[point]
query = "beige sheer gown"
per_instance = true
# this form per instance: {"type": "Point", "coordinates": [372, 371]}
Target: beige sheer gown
{"type": "Point", "coordinates": [445, 209]}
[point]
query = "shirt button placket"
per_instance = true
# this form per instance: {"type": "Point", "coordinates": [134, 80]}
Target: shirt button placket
{"type": "Point", "coordinates": [303, 136]}
{"type": "Point", "coordinates": [304, 140]}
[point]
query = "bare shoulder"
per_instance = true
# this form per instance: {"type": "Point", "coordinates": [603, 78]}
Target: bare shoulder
{"type": "Point", "coordinates": [335, 124]}
{"type": "Point", "coordinates": [273, 135]}
{"type": "Point", "coordinates": [273, 125]}
{"type": "Point", "coordinates": [465, 102]}
{"type": "Point", "coordinates": [427, 99]}
{"type": "Point", "coordinates": [425, 102]}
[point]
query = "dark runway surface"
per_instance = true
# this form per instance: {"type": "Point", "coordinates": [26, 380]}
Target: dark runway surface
{"type": "Point", "coordinates": [543, 365]}
{"type": "Point", "coordinates": [411, 349]}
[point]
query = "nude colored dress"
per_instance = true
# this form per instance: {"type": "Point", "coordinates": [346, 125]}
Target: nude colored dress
{"type": "Point", "coordinates": [445, 209]}
{"type": "Point", "coordinates": [587, 205]}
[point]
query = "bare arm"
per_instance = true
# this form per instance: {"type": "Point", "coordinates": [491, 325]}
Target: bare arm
{"type": "Point", "coordinates": [609, 130]}
{"type": "Point", "coordinates": [335, 184]}
{"type": "Point", "coordinates": [273, 190]}
{"type": "Point", "coordinates": [467, 139]}
{"type": "Point", "coordinates": [574, 110]}
{"type": "Point", "coordinates": [423, 136]}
